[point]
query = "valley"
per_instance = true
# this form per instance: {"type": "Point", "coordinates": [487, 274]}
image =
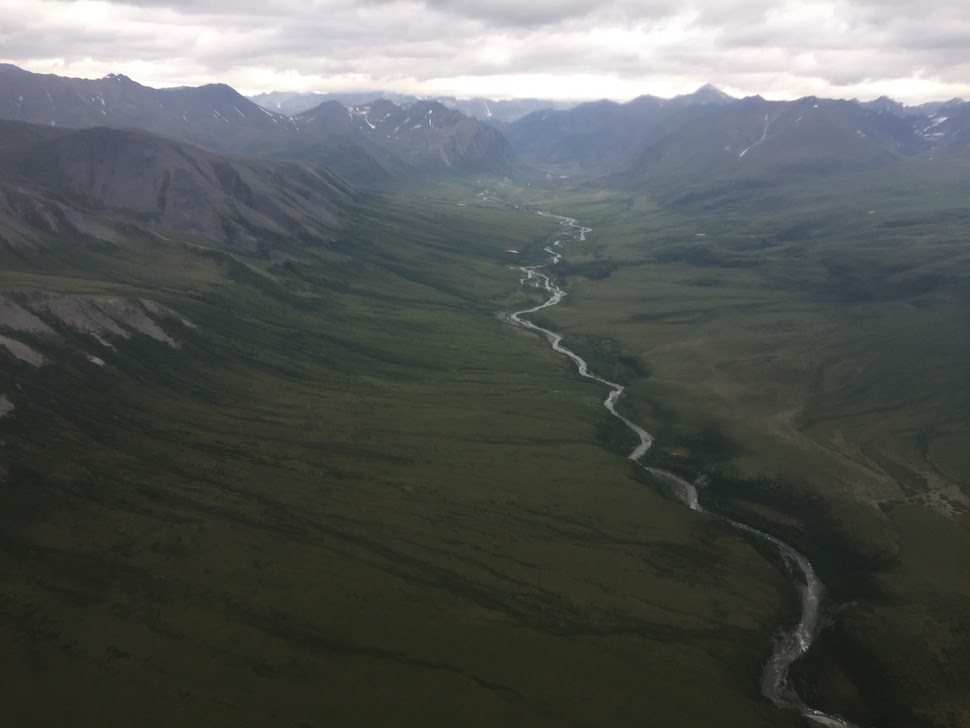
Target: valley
{"type": "Point", "coordinates": [789, 646]}
{"type": "Point", "coordinates": [727, 361]}
{"type": "Point", "coordinates": [300, 497]}
{"type": "Point", "coordinates": [273, 455]}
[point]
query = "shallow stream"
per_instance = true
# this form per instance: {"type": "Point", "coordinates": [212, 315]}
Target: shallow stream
{"type": "Point", "coordinates": [790, 644]}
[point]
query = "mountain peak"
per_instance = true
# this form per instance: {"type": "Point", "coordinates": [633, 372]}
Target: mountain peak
{"type": "Point", "coordinates": [710, 88]}
{"type": "Point", "coordinates": [707, 94]}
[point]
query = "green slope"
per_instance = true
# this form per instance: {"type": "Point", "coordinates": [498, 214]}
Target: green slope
{"type": "Point", "coordinates": [352, 496]}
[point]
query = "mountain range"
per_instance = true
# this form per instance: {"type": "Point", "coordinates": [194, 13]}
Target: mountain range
{"type": "Point", "coordinates": [706, 134]}
{"type": "Point", "coordinates": [217, 118]}
{"type": "Point", "coordinates": [710, 132]}
{"type": "Point", "coordinates": [493, 111]}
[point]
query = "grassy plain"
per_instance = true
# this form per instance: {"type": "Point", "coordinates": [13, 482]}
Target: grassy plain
{"type": "Point", "coordinates": [352, 497]}
{"type": "Point", "coordinates": [807, 345]}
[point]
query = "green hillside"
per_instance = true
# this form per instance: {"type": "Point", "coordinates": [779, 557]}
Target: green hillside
{"type": "Point", "coordinates": [351, 494]}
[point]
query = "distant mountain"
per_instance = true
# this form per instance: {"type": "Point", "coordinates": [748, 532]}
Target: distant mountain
{"type": "Point", "coordinates": [214, 116]}
{"type": "Point", "coordinates": [422, 135]}
{"type": "Point", "coordinates": [890, 106]}
{"type": "Point", "coordinates": [808, 136]}
{"type": "Point", "coordinates": [603, 134]}
{"type": "Point", "coordinates": [754, 144]}
{"type": "Point", "coordinates": [502, 113]}
{"type": "Point", "coordinates": [708, 94]}
{"type": "Point", "coordinates": [63, 177]}
{"type": "Point", "coordinates": [945, 125]}
{"type": "Point", "coordinates": [487, 110]}
{"type": "Point", "coordinates": [291, 103]}
{"type": "Point", "coordinates": [946, 128]}
{"type": "Point", "coordinates": [710, 134]}
{"type": "Point", "coordinates": [219, 119]}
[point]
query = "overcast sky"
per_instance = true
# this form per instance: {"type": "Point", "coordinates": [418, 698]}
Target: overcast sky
{"type": "Point", "coordinates": [572, 49]}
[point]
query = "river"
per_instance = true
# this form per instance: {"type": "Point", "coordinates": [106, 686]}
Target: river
{"type": "Point", "coordinates": [790, 644]}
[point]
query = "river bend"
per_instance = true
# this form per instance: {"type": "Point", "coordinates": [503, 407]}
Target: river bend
{"type": "Point", "coordinates": [790, 644]}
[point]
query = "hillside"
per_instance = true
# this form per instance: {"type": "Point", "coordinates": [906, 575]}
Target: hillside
{"type": "Point", "coordinates": [212, 116]}
{"type": "Point", "coordinates": [171, 187]}
{"type": "Point", "coordinates": [758, 143]}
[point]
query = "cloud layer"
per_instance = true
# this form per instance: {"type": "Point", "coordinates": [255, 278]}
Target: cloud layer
{"type": "Point", "coordinates": [504, 48]}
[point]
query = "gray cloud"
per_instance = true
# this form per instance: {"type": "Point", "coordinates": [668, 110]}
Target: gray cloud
{"type": "Point", "coordinates": [506, 47]}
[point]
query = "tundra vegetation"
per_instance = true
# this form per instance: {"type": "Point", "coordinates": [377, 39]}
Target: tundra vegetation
{"type": "Point", "coordinates": [350, 493]}
{"type": "Point", "coordinates": [807, 348]}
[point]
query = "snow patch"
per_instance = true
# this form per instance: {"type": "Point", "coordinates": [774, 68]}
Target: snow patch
{"type": "Point", "coordinates": [763, 136]}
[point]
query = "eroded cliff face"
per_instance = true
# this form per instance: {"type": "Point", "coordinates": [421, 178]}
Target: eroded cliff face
{"type": "Point", "coordinates": [28, 321]}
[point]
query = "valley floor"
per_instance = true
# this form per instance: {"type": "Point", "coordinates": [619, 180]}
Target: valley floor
{"type": "Point", "coordinates": [811, 358]}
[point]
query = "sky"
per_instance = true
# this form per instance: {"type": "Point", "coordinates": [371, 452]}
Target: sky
{"type": "Point", "coordinates": [551, 49]}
